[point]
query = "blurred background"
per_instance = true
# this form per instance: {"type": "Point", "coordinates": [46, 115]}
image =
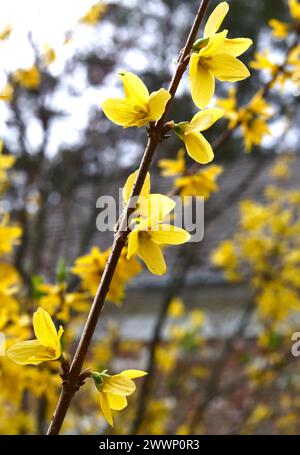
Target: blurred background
{"type": "Point", "coordinates": [215, 331]}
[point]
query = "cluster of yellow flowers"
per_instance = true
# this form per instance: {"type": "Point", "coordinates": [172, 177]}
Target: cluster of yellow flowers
{"type": "Point", "coordinates": [214, 55]}
{"type": "Point", "coordinates": [252, 118]}
{"type": "Point", "coordinates": [90, 269]}
{"type": "Point", "coordinates": [281, 29]}
{"type": "Point", "coordinates": [265, 251]}
{"type": "Point", "coordinates": [289, 69]}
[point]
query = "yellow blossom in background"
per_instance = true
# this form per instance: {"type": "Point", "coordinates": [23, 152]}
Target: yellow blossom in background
{"type": "Point", "coordinates": [6, 162]}
{"type": "Point", "coordinates": [49, 55]}
{"type": "Point", "coordinates": [202, 183]}
{"type": "Point", "coordinates": [294, 7]}
{"type": "Point", "coordinates": [265, 252]}
{"type": "Point", "coordinates": [280, 29]}
{"type": "Point", "coordinates": [173, 167]}
{"type": "Point", "coordinates": [9, 285]}
{"type": "Point", "coordinates": [260, 412]}
{"type": "Point", "coordinates": [216, 58]}
{"type": "Point", "coordinates": [28, 78]}
{"type": "Point", "coordinates": [149, 233]}
{"type": "Point", "coordinates": [138, 108]}
{"type": "Point", "coordinates": [262, 61]}
{"type": "Point", "coordinates": [230, 107]}
{"type": "Point", "coordinates": [114, 390]}
{"type": "Point", "coordinates": [225, 256]}
{"type": "Point", "coordinates": [166, 358]}
{"type": "Point", "coordinates": [198, 148]}
{"type": "Point", "coordinates": [5, 33]}
{"type": "Point", "coordinates": [281, 169]}
{"type": "Point", "coordinates": [90, 269]}
{"type": "Point", "coordinates": [7, 93]}
{"type": "Point", "coordinates": [176, 308]}
{"type": "Point", "coordinates": [288, 423]}
{"type": "Point", "coordinates": [197, 317]}
{"type": "Point", "coordinates": [94, 14]}
{"type": "Point", "coordinates": [45, 347]}
{"type": "Point", "coordinates": [57, 301]}
{"type": "Point", "coordinates": [252, 117]}
{"type": "Point", "coordinates": [9, 235]}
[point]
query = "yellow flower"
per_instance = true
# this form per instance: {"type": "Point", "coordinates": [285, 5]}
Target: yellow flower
{"type": "Point", "coordinates": [46, 347]}
{"type": "Point", "coordinates": [138, 108]}
{"type": "Point", "coordinates": [189, 132]}
{"type": "Point", "coordinates": [114, 390]}
{"type": "Point", "coordinates": [9, 285]}
{"type": "Point", "coordinates": [197, 318]}
{"type": "Point", "coordinates": [28, 78]}
{"type": "Point", "coordinates": [55, 300]}
{"type": "Point", "coordinates": [262, 62]}
{"type": "Point", "coordinates": [281, 169]}
{"type": "Point", "coordinates": [149, 233]}
{"type": "Point", "coordinates": [7, 93]}
{"type": "Point", "coordinates": [279, 29]}
{"type": "Point", "coordinates": [253, 120]}
{"type": "Point", "coordinates": [5, 33]}
{"type": "Point", "coordinates": [173, 167]}
{"type": "Point", "coordinates": [94, 14]}
{"type": "Point", "coordinates": [176, 309]}
{"type": "Point", "coordinates": [9, 235]}
{"type": "Point", "coordinates": [49, 55]}
{"type": "Point", "coordinates": [203, 183]}
{"type": "Point", "coordinates": [216, 58]}
{"type": "Point", "coordinates": [251, 117]}
{"type": "Point", "coordinates": [230, 107]}
{"type": "Point", "coordinates": [90, 269]}
{"type": "Point", "coordinates": [260, 412]}
{"type": "Point", "coordinates": [6, 162]}
{"type": "Point", "coordinates": [294, 7]}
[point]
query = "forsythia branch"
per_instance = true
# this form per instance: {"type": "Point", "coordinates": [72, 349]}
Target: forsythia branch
{"type": "Point", "coordinates": [156, 132]}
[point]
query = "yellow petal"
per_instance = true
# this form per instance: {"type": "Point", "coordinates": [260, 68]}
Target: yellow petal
{"type": "Point", "coordinates": [116, 402]}
{"type": "Point", "coordinates": [129, 185]}
{"type": "Point", "coordinates": [30, 352]}
{"type": "Point", "coordinates": [171, 235]}
{"type": "Point", "coordinates": [155, 207]}
{"type": "Point", "coordinates": [119, 384]}
{"type": "Point", "coordinates": [157, 104]}
{"type": "Point", "coordinates": [134, 88]}
{"type": "Point", "coordinates": [202, 82]}
{"type": "Point", "coordinates": [120, 111]}
{"type": "Point", "coordinates": [44, 329]}
{"type": "Point", "coordinates": [152, 255]}
{"type": "Point", "coordinates": [105, 408]}
{"type": "Point", "coordinates": [215, 19]}
{"type": "Point", "coordinates": [228, 68]}
{"type": "Point", "coordinates": [235, 46]}
{"type": "Point", "coordinates": [203, 120]}
{"type": "Point", "coordinates": [133, 374]}
{"type": "Point", "coordinates": [198, 148]}
{"type": "Point", "coordinates": [133, 243]}
{"type": "Point", "coordinates": [214, 45]}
